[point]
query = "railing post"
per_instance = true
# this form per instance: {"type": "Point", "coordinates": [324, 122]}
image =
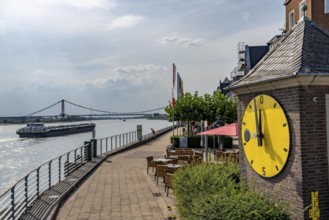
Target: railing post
{"type": "Point", "coordinates": [94, 147]}
{"type": "Point", "coordinates": [13, 202]}
{"type": "Point", "coordinates": [26, 191]}
{"type": "Point", "coordinates": [75, 158]}
{"type": "Point", "coordinates": [111, 143]}
{"type": "Point", "coordinates": [89, 151]}
{"type": "Point", "coordinates": [49, 173]}
{"type": "Point", "coordinates": [119, 140]}
{"type": "Point", "coordinates": [81, 154]}
{"type": "Point", "coordinates": [60, 168]}
{"type": "Point", "coordinates": [106, 144]}
{"type": "Point", "coordinates": [38, 182]}
{"type": "Point", "coordinates": [116, 141]}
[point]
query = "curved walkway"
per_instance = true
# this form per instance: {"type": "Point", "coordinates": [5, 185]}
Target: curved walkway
{"type": "Point", "coordinates": [121, 189]}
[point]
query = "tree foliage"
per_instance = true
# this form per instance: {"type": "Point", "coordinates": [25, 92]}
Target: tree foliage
{"type": "Point", "coordinates": [208, 108]}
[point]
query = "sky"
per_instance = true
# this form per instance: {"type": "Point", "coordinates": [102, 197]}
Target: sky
{"type": "Point", "coordinates": [117, 55]}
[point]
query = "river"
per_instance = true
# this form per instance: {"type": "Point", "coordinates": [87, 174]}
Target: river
{"type": "Point", "coordinates": [19, 156]}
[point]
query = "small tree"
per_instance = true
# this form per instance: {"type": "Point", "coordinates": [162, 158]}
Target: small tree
{"type": "Point", "coordinates": [208, 108]}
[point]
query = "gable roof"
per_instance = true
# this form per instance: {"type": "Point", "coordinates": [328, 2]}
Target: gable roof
{"type": "Point", "coordinates": [303, 51]}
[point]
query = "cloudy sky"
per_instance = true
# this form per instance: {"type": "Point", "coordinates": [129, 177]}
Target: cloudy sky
{"type": "Point", "coordinates": [117, 55]}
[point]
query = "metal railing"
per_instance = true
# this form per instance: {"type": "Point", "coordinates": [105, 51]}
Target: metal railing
{"type": "Point", "coordinates": [15, 201]}
{"type": "Point", "coordinates": [111, 143]}
{"type": "Point", "coordinates": [19, 198]}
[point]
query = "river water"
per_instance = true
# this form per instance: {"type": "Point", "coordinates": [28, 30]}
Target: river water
{"type": "Point", "coordinates": [19, 156]}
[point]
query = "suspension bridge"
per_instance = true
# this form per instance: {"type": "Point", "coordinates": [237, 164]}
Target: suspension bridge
{"type": "Point", "coordinates": [64, 110]}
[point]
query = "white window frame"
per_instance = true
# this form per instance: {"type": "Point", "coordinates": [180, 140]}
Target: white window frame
{"type": "Point", "coordinates": [300, 8]}
{"type": "Point", "coordinates": [326, 6]}
{"type": "Point", "coordinates": [292, 21]}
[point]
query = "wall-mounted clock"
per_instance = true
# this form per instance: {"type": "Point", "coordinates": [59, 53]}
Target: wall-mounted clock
{"type": "Point", "coordinates": [265, 135]}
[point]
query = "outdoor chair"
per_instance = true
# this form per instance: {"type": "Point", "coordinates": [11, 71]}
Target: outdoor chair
{"type": "Point", "coordinates": [174, 161]}
{"type": "Point", "coordinates": [195, 159]}
{"type": "Point", "coordinates": [220, 155]}
{"type": "Point", "coordinates": [177, 152]}
{"type": "Point", "coordinates": [169, 185]}
{"type": "Point", "coordinates": [160, 172]}
{"type": "Point", "coordinates": [188, 152]}
{"type": "Point", "coordinates": [184, 157]}
{"type": "Point", "coordinates": [150, 163]}
{"type": "Point", "coordinates": [182, 162]}
{"type": "Point", "coordinates": [199, 154]}
{"type": "Point", "coordinates": [233, 157]}
{"type": "Point", "coordinates": [156, 164]}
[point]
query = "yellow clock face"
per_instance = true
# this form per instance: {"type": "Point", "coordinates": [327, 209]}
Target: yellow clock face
{"type": "Point", "coordinates": [265, 135]}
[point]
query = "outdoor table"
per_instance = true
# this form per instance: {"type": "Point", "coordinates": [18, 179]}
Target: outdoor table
{"type": "Point", "coordinates": [174, 166]}
{"type": "Point", "coordinates": [161, 160]}
{"type": "Point", "coordinates": [173, 156]}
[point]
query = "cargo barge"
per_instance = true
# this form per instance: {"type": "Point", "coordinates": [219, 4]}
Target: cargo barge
{"type": "Point", "coordinates": [39, 130]}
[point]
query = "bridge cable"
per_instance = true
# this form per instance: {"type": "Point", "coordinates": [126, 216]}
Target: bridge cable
{"type": "Point", "coordinates": [33, 113]}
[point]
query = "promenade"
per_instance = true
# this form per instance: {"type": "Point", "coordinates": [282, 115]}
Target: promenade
{"type": "Point", "coordinates": [121, 189]}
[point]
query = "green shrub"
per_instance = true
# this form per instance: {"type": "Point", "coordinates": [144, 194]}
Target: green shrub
{"type": "Point", "coordinates": [213, 191]}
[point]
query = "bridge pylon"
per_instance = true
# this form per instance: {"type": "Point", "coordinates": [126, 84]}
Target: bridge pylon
{"type": "Point", "coordinates": [62, 114]}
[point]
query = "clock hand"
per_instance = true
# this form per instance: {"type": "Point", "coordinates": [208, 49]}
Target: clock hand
{"type": "Point", "coordinates": [259, 139]}
{"type": "Point", "coordinates": [260, 135]}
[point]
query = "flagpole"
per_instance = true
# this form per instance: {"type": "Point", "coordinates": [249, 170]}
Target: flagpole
{"type": "Point", "coordinates": [173, 97]}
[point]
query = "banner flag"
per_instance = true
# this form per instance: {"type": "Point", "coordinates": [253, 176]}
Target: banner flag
{"type": "Point", "coordinates": [178, 85]}
{"type": "Point", "coordinates": [174, 79]}
{"type": "Point", "coordinates": [173, 101]}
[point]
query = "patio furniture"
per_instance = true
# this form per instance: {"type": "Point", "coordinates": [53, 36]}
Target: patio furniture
{"type": "Point", "coordinates": [220, 156]}
{"type": "Point", "coordinates": [184, 157]}
{"type": "Point", "coordinates": [188, 152]}
{"type": "Point", "coordinates": [169, 185]}
{"type": "Point", "coordinates": [182, 162]}
{"type": "Point", "coordinates": [150, 163]}
{"type": "Point", "coordinates": [195, 159]}
{"type": "Point", "coordinates": [160, 172]}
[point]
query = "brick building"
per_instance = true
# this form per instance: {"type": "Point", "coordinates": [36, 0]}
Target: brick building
{"type": "Point", "coordinates": [318, 11]}
{"type": "Point", "coordinates": [296, 73]}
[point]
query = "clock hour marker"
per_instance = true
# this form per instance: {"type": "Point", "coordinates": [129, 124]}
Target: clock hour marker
{"type": "Point", "coordinates": [244, 123]}
{"type": "Point", "coordinates": [250, 106]}
{"type": "Point", "coordinates": [285, 124]}
{"type": "Point", "coordinates": [244, 144]}
{"type": "Point", "coordinates": [285, 149]}
{"type": "Point", "coordinates": [274, 105]}
{"type": "Point", "coordinates": [251, 162]}
{"type": "Point", "coordinates": [277, 168]}
{"type": "Point", "coordinates": [263, 171]}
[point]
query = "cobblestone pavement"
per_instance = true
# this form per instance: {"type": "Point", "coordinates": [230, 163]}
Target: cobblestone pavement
{"type": "Point", "coordinates": [121, 189]}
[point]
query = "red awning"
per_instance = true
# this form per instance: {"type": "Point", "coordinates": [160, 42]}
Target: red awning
{"type": "Point", "coordinates": [226, 130]}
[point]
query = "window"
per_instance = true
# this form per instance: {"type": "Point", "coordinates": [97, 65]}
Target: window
{"type": "Point", "coordinates": [326, 6]}
{"type": "Point", "coordinates": [291, 19]}
{"type": "Point", "coordinates": [301, 13]}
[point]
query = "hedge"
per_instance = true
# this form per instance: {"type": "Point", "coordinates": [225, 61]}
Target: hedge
{"type": "Point", "coordinates": [213, 191]}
